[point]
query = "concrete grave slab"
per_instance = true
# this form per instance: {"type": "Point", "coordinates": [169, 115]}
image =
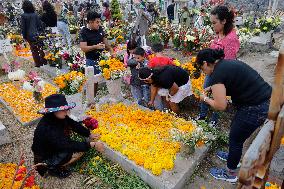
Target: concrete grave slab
{"type": "Point", "coordinates": [17, 117]}
{"type": "Point", "coordinates": [4, 135]}
{"type": "Point", "coordinates": [53, 71]}
{"type": "Point", "coordinates": [176, 179]}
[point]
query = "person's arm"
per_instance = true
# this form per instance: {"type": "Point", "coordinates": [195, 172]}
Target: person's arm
{"type": "Point", "coordinates": [154, 92]}
{"type": "Point", "coordinates": [108, 47]}
{"type": "Point", "coordinates": [219, 101]}
{"type": "Point", "coordinates": [174, 89]}
{"type": "Point", "coordinates": [65, 144]}
{"type": "Point", "coordinates": [85, 48]}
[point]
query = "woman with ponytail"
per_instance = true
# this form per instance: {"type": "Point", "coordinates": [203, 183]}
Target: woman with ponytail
{"type": "Point", "coordinates": [222, 20]}
{"type": "Point", "coordinates": [250, 95]}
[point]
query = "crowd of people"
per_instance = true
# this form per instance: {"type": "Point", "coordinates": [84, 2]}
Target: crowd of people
{"type": "Point", "coordinates": [155, 83]}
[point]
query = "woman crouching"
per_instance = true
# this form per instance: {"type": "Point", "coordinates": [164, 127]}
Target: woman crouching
{"type": "Point", "coordinates": [52, 146]}
{"type": "Point", "coordinates": [170, 81]}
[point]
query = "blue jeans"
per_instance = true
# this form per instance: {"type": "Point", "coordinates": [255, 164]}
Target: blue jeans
{"type": "Point", "coordinates": [63, 30]}
{"type": "Point", "coordinates": [204, 107]}
{"type": "Point", "coordinates": [95, 64]}
{"type": "Point", "coordinates": [246, 120]}
{"type": "Point", "coordinates": [140, 93]}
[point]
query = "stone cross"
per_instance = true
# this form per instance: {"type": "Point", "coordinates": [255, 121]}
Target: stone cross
{"type": "Point", "coordinates": [91, 79]}
{"type": "Point", "coordinates": [5, 46]}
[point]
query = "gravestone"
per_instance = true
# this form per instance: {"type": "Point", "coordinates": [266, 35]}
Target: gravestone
{"type": "Point", "coordinates": [5, 46]}
{"type": "Point", "coordinates": [53, 71]}
{"type": "Point", "coordinates": [4, 135]}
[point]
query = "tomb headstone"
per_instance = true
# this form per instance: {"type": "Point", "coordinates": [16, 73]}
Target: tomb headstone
{"type": "Point", "coordinates": [4, 135]}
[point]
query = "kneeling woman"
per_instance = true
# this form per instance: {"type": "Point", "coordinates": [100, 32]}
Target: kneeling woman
{"type": "Point", "coordinates": [170, 81]}
{"type": "Point", "coordinates": [52, 146]}
{"type": "Point", "coordinates": [250, 95]}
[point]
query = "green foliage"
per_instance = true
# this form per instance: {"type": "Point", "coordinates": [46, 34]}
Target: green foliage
{"type": "Point", "coordinates": [218, 138]}
{"type": "Point", "coordinates": [115, 10]}
{"type": "Point", "coordinates": [103, 172]}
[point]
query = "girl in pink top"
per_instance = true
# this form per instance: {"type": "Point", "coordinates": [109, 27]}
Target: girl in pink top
{"type": "Point", "coordinates": [223, 24]}
{"type": "Point", "coordinates": [222, 20]}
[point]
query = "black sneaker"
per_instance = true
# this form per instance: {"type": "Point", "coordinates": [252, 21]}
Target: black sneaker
{"type": "Point", "coordinates": [59, 172]}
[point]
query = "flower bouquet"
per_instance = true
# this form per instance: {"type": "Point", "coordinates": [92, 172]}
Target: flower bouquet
{"type": "Point", "coordinates": [14, 73]}
{"type": "Point", "coordinates": [268, 24]}
{"type": "Point", "coordinates": [34, 84]}
{"type": "Point", "coordinates": [112, 68]}
{"type": "Point", "coordinates": [70, 83]}
{"type": "Point", "coordinates": [91, 123]}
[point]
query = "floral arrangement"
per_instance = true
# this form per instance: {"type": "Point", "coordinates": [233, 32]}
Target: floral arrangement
{"type": "Point", "coordinates": [267, 24]}
{"type": "Point", "coordinates": [143, 136]}
{"type": "Point", "coordinates": [22, 102]}
{"type": "Point", "coordinates": [119, 39]}
{"type": "Point", "coordinates": [269, 185]}
{"type": "Point", "coordinates": [161, 31]}
{"type": "Point", "coordinates": [16, 40]}
{"type": "Point", "coordinates": [74, 29]}
{"type": "Point", "coordinates": [14, 73]}
{"type": "Point", "coordinates": [34, 84]}
{"type": "Point", "coordinates": [196, 82]}
{"type": "Point", "coordinates": [70, 83]}
{"type": "Point", "coordinates": [91, 123]}
{"type": "Point", "coordinates": [120, 51]}
{"type": "Point", "coordinates": [75, 60]}
{"type": "Point", "coordinates": [17, 176]}
{"type": "Point", "coordinates": [154, 38]}
{"type": "Point", "coordinates": [112, 68]}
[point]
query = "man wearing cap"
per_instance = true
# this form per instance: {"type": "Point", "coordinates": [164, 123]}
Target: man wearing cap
{"type": "Point", "coordinates": [52, 146]}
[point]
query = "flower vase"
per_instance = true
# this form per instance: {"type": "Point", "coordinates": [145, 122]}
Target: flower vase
{"type": "Point", "coordinates": [38, 97]}
{"type": "Point", "coordinates": [78, 110]}
{"type": "Point", "coordinates": [114, 88]}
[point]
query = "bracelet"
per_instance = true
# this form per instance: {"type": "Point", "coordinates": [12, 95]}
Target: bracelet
{"type": "Point", "coordinates": [205, 98]}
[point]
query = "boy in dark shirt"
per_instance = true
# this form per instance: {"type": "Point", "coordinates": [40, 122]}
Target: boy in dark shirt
{"type": "Point", "coordinates": [93, 42]}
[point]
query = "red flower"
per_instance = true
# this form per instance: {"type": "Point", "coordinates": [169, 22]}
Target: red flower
{"type": "Point", "coordinates": [21, 171]}
{"type": "Point", "coordinates": [91, 123]}
{"type": "Point", "coordinates": [19, 177]}
{"type": "Point", "coordinates": [30, 182]}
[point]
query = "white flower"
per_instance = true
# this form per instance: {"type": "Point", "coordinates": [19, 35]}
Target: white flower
{"type": "Point", "coordinates": [17, 75]}
{"type": "Point", "coordinates": [189, 38]}
{"type": "Point", "coordinates": [27, 86]}
{"type": "Point", "coordinates": [41, 83]}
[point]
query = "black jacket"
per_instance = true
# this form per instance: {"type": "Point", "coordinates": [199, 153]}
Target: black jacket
{"type": "Point", "coordinates": [49, 20]}
{"type": "Point", "coordinates": [51, 137]}
{"type": "Point", "coordinates": [31, 26]}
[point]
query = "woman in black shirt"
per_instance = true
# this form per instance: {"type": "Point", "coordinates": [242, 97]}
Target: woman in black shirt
{"type": "Point", "coordinates": [170, 81]}
{"type": "Point", "coordinates": [250, 95]}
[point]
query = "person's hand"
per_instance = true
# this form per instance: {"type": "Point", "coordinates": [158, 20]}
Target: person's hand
{"type": "Point", "coordinates": [151, 103]}
{"type": "Point", "coordinates": [95, 136]}
{"type": "Point", "coordinates": [100, 46]}
{"type": "Point", "coordinates": [99, 146]}
{"type": "Point", "coordinates": [138, 66]}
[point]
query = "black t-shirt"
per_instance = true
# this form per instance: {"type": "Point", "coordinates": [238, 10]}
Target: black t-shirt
{"type": "Point", "coordinates": [170, 75]}
{"type": "Point", "coordinates": [92, 37]}
{"type": "Point", "coordinates": [243, 84]}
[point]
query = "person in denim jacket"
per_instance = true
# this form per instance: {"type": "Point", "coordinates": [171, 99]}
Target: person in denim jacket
{"type": "Point", "coordinates": [140, 91]}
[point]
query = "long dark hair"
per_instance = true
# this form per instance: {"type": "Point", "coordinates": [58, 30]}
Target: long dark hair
{"type": "Point", "coordinates": [48, 9]}
{"type": "Point", "coordinates": [210, 56]}
{"type": "Point", "coordinates": [28, 7]}
{"type": "Point", "coordinates": [223, 13]}
{"type": "Point", "coordinates": [146, 72]}
{"type": "Point", "coordinates": [131, 45]}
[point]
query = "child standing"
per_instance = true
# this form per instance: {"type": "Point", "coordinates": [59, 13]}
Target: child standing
{"type": "Point", "coordinates": [140, 91]}
{"type": "Point", "coordinates": [131, 46]}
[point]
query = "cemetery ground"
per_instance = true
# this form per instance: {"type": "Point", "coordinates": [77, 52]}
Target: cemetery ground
{"type": "Point", "coordinates": [22, 136]}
